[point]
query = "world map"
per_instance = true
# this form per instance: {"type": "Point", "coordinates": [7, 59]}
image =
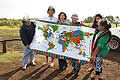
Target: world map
{"type": "Point", "coordinates": [63, 40]}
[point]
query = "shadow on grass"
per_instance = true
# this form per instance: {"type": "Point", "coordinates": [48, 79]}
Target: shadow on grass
{"type": "Point", "coordinates": [67, 76]}
{"type": "Point", "coordinates": [6, 76]}
{"type": "Point", "coordinates": [74, 77]}
{"type": "Point", "coordinates": [35, 74]}
{"type": "Point", "coordinates": [70, 76]}
{"type": "Point", "coordinates": [52, 75]}
{"type": "Point", "coordinates": [32, 74]}
{"type": "Point", "coordinates": [87, 76]}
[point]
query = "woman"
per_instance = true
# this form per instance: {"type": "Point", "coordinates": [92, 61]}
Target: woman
{"type": "Point", "coordinates": [62, 20]}
{"type": "Point", "coordinates": [98, 17]}
{"type": "Point", "coordinates": [101, 46]}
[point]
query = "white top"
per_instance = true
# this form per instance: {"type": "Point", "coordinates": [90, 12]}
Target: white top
{"type": "Point", "coordinates": [50, 19]}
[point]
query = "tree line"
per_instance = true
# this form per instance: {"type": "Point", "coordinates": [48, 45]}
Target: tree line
{"type": "Point", "coordinates": [18, 22]}
{"type": "Point", "coordinates": [110, 18]}
{"type": "Point", "coordinates": [10, 22]}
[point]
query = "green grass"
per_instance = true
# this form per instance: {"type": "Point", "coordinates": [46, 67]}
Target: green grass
{"type": "Point", "coordinates": [7, 32]}
{"type": "Point", "coordinates": [10, 57]}
{"type": "Point", "coordinates": [16, 57]}
{"type": "Point", "coordinates": [8, 28]}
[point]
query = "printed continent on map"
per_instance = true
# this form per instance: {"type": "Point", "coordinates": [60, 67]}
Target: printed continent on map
{"type": "Point", "coordinates": [74, 37]}
{"type": "Point", "coordinates": [49, 34]}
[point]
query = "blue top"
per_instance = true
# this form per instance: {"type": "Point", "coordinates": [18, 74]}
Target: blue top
{"type": "Point", "coordinates": [27, 33]}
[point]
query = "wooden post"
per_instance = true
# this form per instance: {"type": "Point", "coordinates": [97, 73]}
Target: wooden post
{"type": "Point", "coordinates": [4, 46]}
{"type": "Point", "coordinates": [116, 25]}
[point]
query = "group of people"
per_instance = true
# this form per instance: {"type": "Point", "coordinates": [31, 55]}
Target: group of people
{"type": "Point", "coordinates": [99, 45]}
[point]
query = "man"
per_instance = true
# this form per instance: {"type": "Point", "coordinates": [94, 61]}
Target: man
{"type": "Point", "coordinates": [50, 18]}
{"type": "Point", "coordinates": [27, 32]}
{"type": "Point", "coordinates": [75, 18]}
{"type": "Point", "coordinates": [75, 22]}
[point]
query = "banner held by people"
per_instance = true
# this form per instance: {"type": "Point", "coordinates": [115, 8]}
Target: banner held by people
{"type": "Point", "coordinates": [70, 42]}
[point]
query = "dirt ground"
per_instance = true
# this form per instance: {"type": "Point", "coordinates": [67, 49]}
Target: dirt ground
{"type": "Point", "coordinates": [12, 70]}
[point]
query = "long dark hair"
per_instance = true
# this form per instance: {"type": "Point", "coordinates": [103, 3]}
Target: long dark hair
{"type": "Point", "coordinates": [107, 26]}
{"type": "Point", "coordinates": [95, 23]}
{"type": "Point", "coordinates": [105, 23]}
{"type": "Point", "coordinates": [60, 15]}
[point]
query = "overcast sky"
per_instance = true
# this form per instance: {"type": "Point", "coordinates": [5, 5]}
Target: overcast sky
{"type": "Point", "coordinates": [38, 8]}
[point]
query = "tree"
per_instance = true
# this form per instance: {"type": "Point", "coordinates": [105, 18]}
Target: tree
{"type": "Point", "coordinates": [88, 19]}
{"type": "Point", "coordinates": [110, 18]}
{"type": "Point", "coordinates": [116, 20]}
{"type": "Point", "coordinates": [117, 17]}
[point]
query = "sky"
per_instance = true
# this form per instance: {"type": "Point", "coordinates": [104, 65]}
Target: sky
{"type": "Point", "coordinates": [38, 8]}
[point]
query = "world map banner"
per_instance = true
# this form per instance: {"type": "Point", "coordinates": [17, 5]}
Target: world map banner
{"type": "Point", "coordinates": [63, 41]}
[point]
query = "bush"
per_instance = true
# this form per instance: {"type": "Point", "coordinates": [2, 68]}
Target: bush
{"type": "Point", "coordinates": [10, 22]}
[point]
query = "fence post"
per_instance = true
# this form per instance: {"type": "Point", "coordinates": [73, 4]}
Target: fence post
{"type": "Point", "coordinates": [4, 46]}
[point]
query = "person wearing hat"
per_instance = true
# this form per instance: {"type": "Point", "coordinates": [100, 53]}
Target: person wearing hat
{"type": "Point", "coordinates": [50, 17]}
{"type": "Point", "coordinates": [27, 32]}
{"type": "Point", "coordinates": [75, 22]}
{"type": "Point", "coordinates": [75, 19]}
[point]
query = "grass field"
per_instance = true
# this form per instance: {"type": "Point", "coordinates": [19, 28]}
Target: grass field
{"type": "Point", "coordinates": [10, 57]}
{"type": "Point", "coordinates": [7, 33]}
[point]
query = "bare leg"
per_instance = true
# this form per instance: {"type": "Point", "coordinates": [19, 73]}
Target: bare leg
{"type": "Point", "coordinates": [52, 59]}
{"type": "Point", "coordinates": [46, 59]}
{"type": "Point", "coordinates": [52, 64]}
